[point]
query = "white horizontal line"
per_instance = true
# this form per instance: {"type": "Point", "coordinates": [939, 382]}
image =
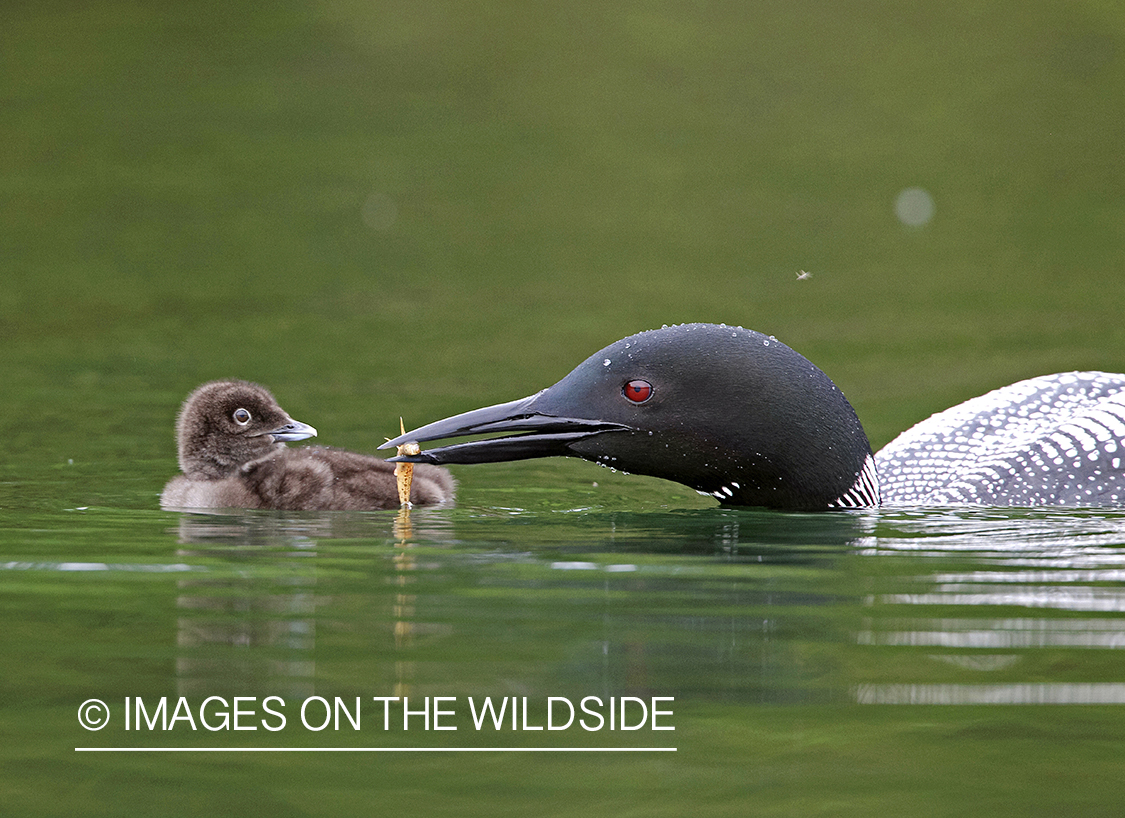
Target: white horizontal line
{"type": "Point", "coordinates": [1015, 693]}
{"type": "Point", "coordinates": [375, 749]}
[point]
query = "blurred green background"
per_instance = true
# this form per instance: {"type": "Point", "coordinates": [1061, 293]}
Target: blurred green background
{"type": "Point", "coordinates": [415, 208]}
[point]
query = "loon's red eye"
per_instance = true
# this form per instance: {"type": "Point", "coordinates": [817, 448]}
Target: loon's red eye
{"type": "Point", "coordinates": [637, 391]}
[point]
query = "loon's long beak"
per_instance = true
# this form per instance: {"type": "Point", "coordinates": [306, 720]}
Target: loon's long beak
{"type": "Point", "coordinates": [538, 435]}
{"type": "Point", "coordinates": [293, 430]}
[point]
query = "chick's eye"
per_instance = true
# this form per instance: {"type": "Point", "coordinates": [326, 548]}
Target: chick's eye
{"type": "Point", "coordinates": [241, 417]}
{"type": "Point", "coordinates": [637, 391]}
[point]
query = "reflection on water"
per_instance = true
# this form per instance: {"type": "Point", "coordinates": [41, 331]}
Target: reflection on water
{"type": "Point", "coordinates": [235, 632]}
{"type": "Point", "coordinates": [1040, 693]}
{"type": "Point", "coordinates": [707, 605]}
{"type": "Point", "coordinates": [1017, 596]}
{"type": "Point", "coordinates": [787, 648]}
{"type": "Point", "coordinates": [964, 607]}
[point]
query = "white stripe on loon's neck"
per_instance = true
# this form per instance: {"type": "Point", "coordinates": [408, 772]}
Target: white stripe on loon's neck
{"type": "Point", "coordinates": [864, 493]}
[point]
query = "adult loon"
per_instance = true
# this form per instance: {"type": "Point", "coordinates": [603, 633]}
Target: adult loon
{"type": "Point", "coordinates": [738, 415]}
{"type": "Point", "coordinates": [231, 439]}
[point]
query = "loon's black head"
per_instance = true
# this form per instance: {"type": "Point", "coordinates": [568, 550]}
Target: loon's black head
{"type": "Point", "coordinates": [226, 424]}
{"type": "Point", "coordinates": [728, 411]}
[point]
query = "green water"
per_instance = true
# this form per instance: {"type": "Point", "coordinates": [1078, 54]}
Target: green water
{"type": "Point", "coordinates": [414, 209]}
{"type": "Point", "coordinates": [937, 664]}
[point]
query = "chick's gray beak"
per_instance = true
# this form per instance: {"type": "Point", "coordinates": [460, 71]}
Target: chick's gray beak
{"type": "Point", "coordinates": [293, 430]}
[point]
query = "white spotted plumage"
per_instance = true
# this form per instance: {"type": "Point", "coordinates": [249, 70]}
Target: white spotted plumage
{"type": "Point", "coordinates": [1054, 440]}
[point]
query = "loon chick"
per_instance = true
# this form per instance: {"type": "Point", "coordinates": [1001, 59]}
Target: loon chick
{"type": "Point", "coordinates": [744, 418]}
{"type": "Point", "coordinates": [231, 439]}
